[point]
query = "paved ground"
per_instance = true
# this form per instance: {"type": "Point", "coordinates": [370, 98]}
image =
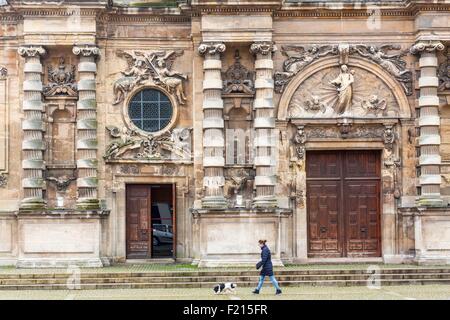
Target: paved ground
{"type": "Point", "coordinates": [298, 293]}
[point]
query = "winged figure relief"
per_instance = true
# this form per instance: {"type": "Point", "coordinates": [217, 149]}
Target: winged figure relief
{"type": "Point", "coordinates": [155, 66]}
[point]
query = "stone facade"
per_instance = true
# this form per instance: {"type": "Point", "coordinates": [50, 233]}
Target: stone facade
{"type": "Point", "coordinates": [253, 87]}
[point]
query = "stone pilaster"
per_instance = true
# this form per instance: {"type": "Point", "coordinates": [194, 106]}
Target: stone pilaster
{"type": "Point", "coordinates": [429, 122]}
{"type": "Point", "coordinates": [33, 127]}
{"type": "Point", "coordinates": [264, 124]}
{"type": "Point", "coordinates": [87, 182]}
{"type": "Point", "coordinates": [213, 126]}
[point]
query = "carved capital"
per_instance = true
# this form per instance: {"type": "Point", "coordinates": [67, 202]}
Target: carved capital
{"type": "Point", "coordinates": [211, 48]}
{"type": "Point", "coordinates": [86, 50]}
{"type": "Point", "coordinates": [28, 51]}
{"type": "Point", "coordinates": [263, 47]}
{"type": "Point", "coordinates": [427, 46]}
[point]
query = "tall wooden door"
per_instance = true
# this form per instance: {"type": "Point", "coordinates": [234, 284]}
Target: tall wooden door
{"type": "Point", "coordinates": [343, 203]}
{"type": "Point", "coordinates": [138, 208]}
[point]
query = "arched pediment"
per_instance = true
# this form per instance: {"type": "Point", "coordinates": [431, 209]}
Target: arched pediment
{"type": "Point", "coordinates": [375, 93]}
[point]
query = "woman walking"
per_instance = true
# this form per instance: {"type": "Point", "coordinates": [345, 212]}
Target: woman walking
{"type": "Point", "coordinates": [267, 268]}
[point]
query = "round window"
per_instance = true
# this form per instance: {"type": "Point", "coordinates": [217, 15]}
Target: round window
{"type": "Point", "coordinates": [150, 110]}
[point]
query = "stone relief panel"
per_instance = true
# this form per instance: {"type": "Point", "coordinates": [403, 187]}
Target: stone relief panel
{"type": "Point", "coordinates": [129, 144]}
{"type": "Point", "coordinates": [343, 92]}
{"type": "Point", "coordinates": [60, 80]}
{"type": "Point", "coordinates": [150, 68]}
{"type": "Point", "coordinates": [444, 73]}
{"type": "Point", "coordinates": [389, 57]}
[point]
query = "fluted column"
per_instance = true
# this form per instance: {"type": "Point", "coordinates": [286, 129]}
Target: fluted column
{"type": "Point", "coordinates": [33, 127]}
{"type": "Point", "coordinates": [264, 124]}
{"type": "Point", "coordinates": [213, 126]}
{"type": "Point", "coordinates": [429, 122]}
{"type": "Point", "coordinates": [87, 182]}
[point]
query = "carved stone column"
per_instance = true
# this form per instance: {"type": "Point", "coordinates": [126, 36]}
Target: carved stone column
{"type": "Point", "coordinates": [264, 124]}
{"type": "Point", "coordinates": [87, 182]}
{"type": "Point", "coordinates": [33, 127]}
{"type": "Point", "coordinates": [213, 126]}
{"type": "Point", "coordinates": [429, 121]}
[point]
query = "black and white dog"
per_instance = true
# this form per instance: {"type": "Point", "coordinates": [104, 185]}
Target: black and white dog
{"type": "Point", "coordinates": [225, 287]}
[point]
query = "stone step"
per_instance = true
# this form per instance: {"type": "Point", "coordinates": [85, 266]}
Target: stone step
{"type": "Point", "coordinates": [133, 285]}
{"type": "Point", "coordinates": [220, 278]}
{"type": "Point", "coordinates": [169, 274]}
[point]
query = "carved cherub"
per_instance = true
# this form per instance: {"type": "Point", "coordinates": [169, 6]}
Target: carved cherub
{"type": "Point", "coordinates": [374, 104]}
{"type": "Point", "coordinates": [315, 104]}
{"type": "Point", "coordinates": [61, 182]}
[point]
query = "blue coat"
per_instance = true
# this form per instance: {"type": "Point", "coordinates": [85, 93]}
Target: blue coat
{"type": "Point", "coordinates": [265, 263]}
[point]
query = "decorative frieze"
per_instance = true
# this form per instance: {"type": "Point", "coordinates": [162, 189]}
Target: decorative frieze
{"type": "Point", "coordinates": [87, 182]}
{"type": "Point", "coordinates": [129, 144]}
{"type": "Point", "coordinates": [429, 123]}
{"type": "Point", "coordinates": [213, 127]}
{"type": "Point", "coordinates": [150, 67]}
{"type": "Point", "coordinates": [33, 127]}
{"type": "Point", "coordinates": [264, 124]}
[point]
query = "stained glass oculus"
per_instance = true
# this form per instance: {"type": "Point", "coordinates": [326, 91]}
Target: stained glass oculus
{"type": "Point", "coordinates": [150, 110]}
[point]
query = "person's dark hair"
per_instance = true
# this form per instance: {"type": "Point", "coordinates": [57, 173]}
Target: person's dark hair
{"type": "Point", "coordinates": [262, 241]}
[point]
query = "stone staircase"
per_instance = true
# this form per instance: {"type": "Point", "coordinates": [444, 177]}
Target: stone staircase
{"type": "Point", "coordinates": [207, 279]}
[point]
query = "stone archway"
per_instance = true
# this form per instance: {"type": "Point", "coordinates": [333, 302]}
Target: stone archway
{"type": "Point", "coordinates": [380, 119]}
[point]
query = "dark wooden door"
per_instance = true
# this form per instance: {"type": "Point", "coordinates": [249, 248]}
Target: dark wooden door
{"type": "Point", "coordinates": [343, 203]}
{"type": "Point", "coordinates": [139, 233]}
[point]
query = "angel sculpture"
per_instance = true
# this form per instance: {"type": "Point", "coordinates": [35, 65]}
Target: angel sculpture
{"type": "Point", "coordinates": [160, 66]}
{"type": "Point", "coordinates": [374, 104]}
{"type": "Point", "coordinates": [126, 140]}
{"type": "Point", "coordinates": [392, 63]}
{"type": "Point", "coordinates": [315, 104]}
{"type": "Point", "coordinates": [61, 182]}
{"type": "Point", "coordinates": [298, 59]}
{"type": "Point", "coordinates": [136, 73]}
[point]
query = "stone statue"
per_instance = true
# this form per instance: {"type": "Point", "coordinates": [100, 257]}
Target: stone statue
{"type": "Point", "coordinates": [344, 86]}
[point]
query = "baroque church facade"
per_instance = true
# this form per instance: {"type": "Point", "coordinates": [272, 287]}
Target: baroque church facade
{"type": "Point", "coordinates": [188, 130]}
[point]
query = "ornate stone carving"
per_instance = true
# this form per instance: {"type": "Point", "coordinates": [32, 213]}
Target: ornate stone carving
{"type": "Point", "coordinates": [129, 169]}
{"type": "Point", "coordinates": [237, 78]}
{"type": "Point", "coordinates": [3, 72]}
{"type": "Point", "coordinates": [343, 93]}
{"type": "Point", "coordinates": [427, 45]}
{"type": "Point", "coordinates": [31, 51]}
{"type": "Point", "coordinates": [349, 130]}
{"type": "Point", "coordinates": [389, 136]}
{"type": "Point", "coordinates": [3, 180]}
{"type": "Point", "coordinates": [61, 82]}
{"type": "Point", "coordinates": [298, 58]}
{"type": "Point", "coordinates": [298, 144]}
{"type": "Point", "coordinates": [344, 86]}
{"type": "Point", "coordinates": [239, 186]}
{"type": "Point", "coordinates": [392, 63]}
{"type": "Point", "coordinates": [444, 73]}
{"type": "Point", "coordinates": [315, 105]}
{"type": "Point", "coordinates": [62, 183]}
{"type": "Point", "coordinates": [153, 67]}
{"type": "Point", "coordinates": [374, 105]}
{"type": "Point", "coordinates": [170, 145]}
{"type": "Point", "coordinates": [211, 48]}
{"type": "Point", "coordinates": [86, 50]}
{"type": "Point", "coordinates": [263, 47]}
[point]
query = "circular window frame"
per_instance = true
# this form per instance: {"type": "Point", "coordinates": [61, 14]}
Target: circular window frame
{"type": "Point", "coordinates": [129, 123]}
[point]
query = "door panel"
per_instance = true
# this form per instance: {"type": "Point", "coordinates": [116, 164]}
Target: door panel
{"type": "Point", "coordinates": [343, 192]}
{"type": "Point", "coordinates": [323, 217]}
{"type": "Point", "coordinates": [138, 221]}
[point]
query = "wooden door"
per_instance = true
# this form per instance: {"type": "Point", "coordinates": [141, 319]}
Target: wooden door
{"type": "Point", "coordinates": [343, 203]}
{"type": "Point", "coordinates": [138, 209]}
{"type": "Point", "coordinates": [362, 203]}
